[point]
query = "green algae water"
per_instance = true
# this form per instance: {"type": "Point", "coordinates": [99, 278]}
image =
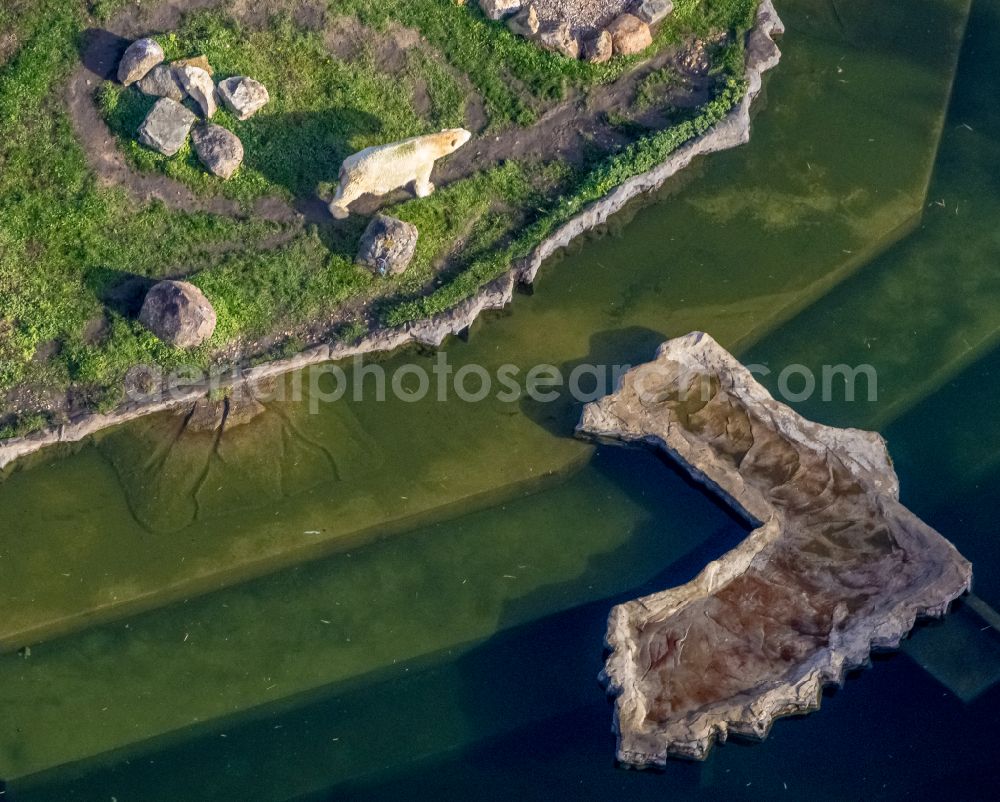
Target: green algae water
{"type": "Point", "coordinates": [392, 600]}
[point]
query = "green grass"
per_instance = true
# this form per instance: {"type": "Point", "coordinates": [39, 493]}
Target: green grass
{"type": "Point", "coordinates": [321, 110]}
{"type": "Point", "coordinates": [653, 88]}
{"type": "Point", "coordinates": [498, 62]}
{"type": "Point", "coordinates": [70, 248]}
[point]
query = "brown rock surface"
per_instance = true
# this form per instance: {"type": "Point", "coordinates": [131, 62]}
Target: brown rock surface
{"type": "Point", "coordinates": [598, 48]}
{"type": "Point", "coordinates": [630, 35]}
{"type": "Point", "coordinates": [559, 38]}
{"type": "Point", "coordinates": [201, 62]}
{"type": "Point", "coordinates": [835, 567]}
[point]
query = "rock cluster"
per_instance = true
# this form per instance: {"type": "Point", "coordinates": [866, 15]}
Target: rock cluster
{"type": "Point", "coordinates": [170, 121]}
{"type": "Point", "coordinates": [627, 34]}
{"type": "Point", "coordinates": [835, 566]}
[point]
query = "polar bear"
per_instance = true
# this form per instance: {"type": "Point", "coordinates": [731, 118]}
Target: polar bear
{"type": "Point", "coordinates": [383, 168]}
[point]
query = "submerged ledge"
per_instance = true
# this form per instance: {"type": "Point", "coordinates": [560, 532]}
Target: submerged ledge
{"type": "Point", "coordinates": [836, 565]}
{"type": "Point", "coordinates": [762, 54]}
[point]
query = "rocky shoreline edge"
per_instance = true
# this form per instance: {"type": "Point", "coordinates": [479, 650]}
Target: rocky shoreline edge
{"type": "Point", "coordinates": [762, 54]}
{"type": "Point", "coordinates": [835, 566]}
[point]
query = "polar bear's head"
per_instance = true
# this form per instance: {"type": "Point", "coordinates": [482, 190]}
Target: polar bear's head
{"type": "Point", "coordinates": [454, 138]}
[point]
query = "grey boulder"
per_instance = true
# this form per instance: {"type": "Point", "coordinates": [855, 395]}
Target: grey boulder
{"type": "Point", "coordinates": [139, 58]}
{"type": "Point", "coordinates": [387, 246]}
{"type": "Point", "coordinates": [178, 313]}
{"type": "Point", "coordinates": [166, 127]}
{"type": "Point", "coordinates": [200, 86]}
{"type": "Point", "coordinates": [219, 149]}
{"type": "Point", "coordinates": [243, 96]}
{"type": "Point", "coordinates": [161, 82]}
{"type": "Point", "coordinates": [652, 11]}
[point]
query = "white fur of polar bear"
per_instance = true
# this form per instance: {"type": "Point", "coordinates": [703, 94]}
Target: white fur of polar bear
{"type": "Point", "coordinates": [383, 168]}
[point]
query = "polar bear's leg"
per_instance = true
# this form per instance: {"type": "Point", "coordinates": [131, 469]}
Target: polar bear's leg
{"type": "Point", "coordinates": [344, 197]}
{"type": "Point", "coordinates": [422, 185]}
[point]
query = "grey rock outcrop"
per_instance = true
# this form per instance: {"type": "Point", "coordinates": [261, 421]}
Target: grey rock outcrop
{"type": "Point", "coordinates": [835, 566]}
{"type": "Point", "coordinates": [139, 58]}
{"type": "Point", "coordinates": [166, 127]}
{"type": "Point", "coordinates": [200, 86]}
{"type": "Point", "coordinates": [387, 246]}
{"type": "Point", "coordinates": [653, 11]}
{"type": "Point", "coordinates": [178, 313]}
{"type": "Point", "coordinates": [219, 149]}
{"type": "Point", "coordinates": [161, 82]}
{"type": "Point", "coordinates": [243, 96]}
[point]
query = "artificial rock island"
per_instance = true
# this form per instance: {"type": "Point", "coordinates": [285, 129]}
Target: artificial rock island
{"type": "Point", "coordinates": [835, 565]}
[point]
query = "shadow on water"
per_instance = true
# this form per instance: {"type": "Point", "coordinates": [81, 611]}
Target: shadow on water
{"type": "Point", "coordinates": [610, 349]}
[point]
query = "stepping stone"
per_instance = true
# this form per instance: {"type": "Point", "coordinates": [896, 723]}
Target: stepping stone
{"type": "Point", "coordinates": [219, 149]}
{"type": "Point", "coordinates": [243, 96]}
{"type": "Point", "coordinates": [166, 127]}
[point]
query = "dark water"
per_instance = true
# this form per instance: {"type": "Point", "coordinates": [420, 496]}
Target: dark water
{"type": "Point", "coordinates": [412, 597]}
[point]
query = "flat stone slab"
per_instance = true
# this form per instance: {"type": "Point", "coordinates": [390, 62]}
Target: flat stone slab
{"type": "Point", "coordinates": [166, 127]}
{"type": "Point", "coordinates": [835, 567]}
